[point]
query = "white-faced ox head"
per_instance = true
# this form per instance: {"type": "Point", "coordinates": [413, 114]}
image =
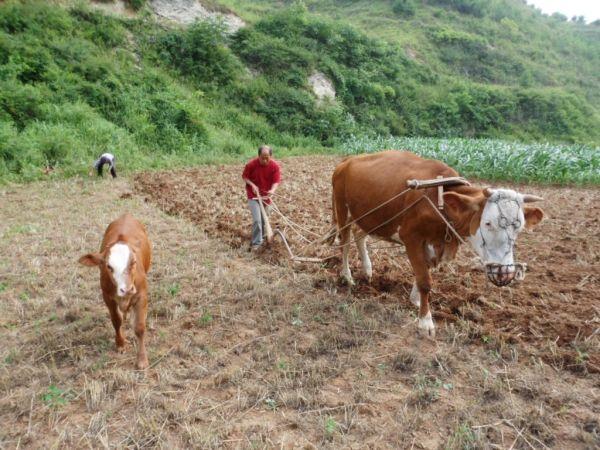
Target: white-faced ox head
{"type": "Point", "coordinates": [119, 263]}
{"type": "Point", "coordinates": [494, 219]}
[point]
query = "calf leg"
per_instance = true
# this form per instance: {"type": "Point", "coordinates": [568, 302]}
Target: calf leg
{"type": "Point", "coordinates": [361, 243]}
{"type": "Point", "coordinates": [117, 320]}
{"type": "Point", "coordinates": [415, 297]}
{"type": "Point", "coordinates": [141, 309]}
{"type": "Point", "coordinates": [417, 259]}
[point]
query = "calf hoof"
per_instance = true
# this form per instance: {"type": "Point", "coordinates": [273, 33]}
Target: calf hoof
{"type": "Point", "coordinates": [121, 348]}
{"type": "Point", "coordinates": [347, 278]}
{"type": "Point", "coordinates": [142, 363]}
{"type": "Point", "coordinates": [426, 327]}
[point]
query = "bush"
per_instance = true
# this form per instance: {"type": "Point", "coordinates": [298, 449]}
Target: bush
{"type": "Point", "coordinates": [475, 8]}
{"type": "Point", "coordinates": [405, 8]}
{"type": "Point", "coordinates": [200, 53]}
{"type": "Point", "coordinates": [136, 4]}
{"type": "Point", "coordinates": [21, 102]}
{"type": "Point", "coordinates": [98, 27]}
{"type": "Point", "coordinates": [273, 56]}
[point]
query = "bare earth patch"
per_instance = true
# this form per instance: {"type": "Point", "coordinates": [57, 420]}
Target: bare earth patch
{"type": "Point", "coordinates": [248, 351]}
{"type": "Point", "coordinates": [553, 313]}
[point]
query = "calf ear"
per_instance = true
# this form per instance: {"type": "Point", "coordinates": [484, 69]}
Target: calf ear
{"type": "Point", "coordinates": [91, 259]}
{"type": "Point", "coordinates": [533, 216]}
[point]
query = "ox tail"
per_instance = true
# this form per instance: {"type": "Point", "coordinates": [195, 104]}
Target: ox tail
{"type": "Point", "coordinates": [332, 234]}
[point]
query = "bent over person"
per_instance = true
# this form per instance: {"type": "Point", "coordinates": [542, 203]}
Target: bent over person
{"type": "Point", "coordinates": [106, 158]}
{"type": "Point", "coordinates": [262, 176]}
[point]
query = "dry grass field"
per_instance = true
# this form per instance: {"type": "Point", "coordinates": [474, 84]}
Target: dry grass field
{"type": "Point", "coordinates": [249, 351]}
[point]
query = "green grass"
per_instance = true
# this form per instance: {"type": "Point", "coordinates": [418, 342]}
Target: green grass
{"type": "Point", "coordinates": [497, 160]}
{"type": "Point", "coordinates": [85, 89]}
{"type": "Point", "coordinates": [75, 83]}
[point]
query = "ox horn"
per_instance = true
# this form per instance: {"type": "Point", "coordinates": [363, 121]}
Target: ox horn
{"type": "Point", "coordinates": [528, 198]}
{"type": "Point", "coordinates": [487, 192]}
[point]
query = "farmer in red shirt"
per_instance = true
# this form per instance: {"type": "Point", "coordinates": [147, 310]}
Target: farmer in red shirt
{"type": "Point", "coordinates": [262, 176]}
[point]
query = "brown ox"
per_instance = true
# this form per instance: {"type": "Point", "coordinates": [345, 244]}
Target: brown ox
{"type": "Point", "coordinates": [489, 220]}
{"type": "Point", "coordinates": [124, 260]}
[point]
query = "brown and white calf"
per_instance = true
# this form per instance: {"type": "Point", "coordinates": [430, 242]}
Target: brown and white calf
{"type": "Point", "coordinates": [124, 260]}
{"type": "Point", "coordinates": [489, 220]}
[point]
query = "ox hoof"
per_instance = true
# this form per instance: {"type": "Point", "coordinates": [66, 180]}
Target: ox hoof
{"type": "Point", "coordinates": [368, 275]}
{"type": "Point", "coordinates": [121, 348]}
{"type": "Point", "coordinates": [426, 327]}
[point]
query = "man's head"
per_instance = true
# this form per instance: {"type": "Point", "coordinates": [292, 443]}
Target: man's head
{"type": "Point", "coordinates": [264, 154]}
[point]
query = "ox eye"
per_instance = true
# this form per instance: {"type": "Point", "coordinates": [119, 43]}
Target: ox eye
{"type": "Point", "coordinates": [110, 268]}
{"type": "Point", "coordinates": [488, 224]}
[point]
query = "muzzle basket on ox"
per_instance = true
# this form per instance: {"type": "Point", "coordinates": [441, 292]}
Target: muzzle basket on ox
{"type": "Point", "coordinates": [503, 274]}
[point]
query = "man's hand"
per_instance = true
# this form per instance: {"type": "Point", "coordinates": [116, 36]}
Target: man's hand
{"type": "Point", "coordinates": [255, 190]}
{"type": "Point", "coordinates": [272, 190]}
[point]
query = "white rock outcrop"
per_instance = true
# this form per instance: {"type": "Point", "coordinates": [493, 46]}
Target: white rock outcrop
{"type": "Point", "coordinates": [321, 86]}
{"type": "Point", "coordinates": [117, 7]}
{"type": "Point", "coordinates": [188, 11]}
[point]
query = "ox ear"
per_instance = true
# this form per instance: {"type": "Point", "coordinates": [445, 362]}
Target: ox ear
{"type": "Point", "coordinates": [465, 208]}
{"type": "Point", "coordinates": [533, 216]}
{"type": "Point", "coordinates": [91, 259]}
{"type": "Point", "coordinates": [459, 204]}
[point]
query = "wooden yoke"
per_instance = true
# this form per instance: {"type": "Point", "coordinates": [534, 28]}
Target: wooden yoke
{"type": "Point", "coordinates": [450, 181]}
{"type": "Point", "coordinates": [439, 182]}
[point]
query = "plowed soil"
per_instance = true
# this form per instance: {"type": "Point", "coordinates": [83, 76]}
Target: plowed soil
{"type": "Point", "coordinates": [554, 313]}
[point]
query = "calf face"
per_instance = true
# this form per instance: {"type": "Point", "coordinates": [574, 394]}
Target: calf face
{"type": "Point", "coordinates": [495, 220]}
{"type": "Point", "coordinates": [119, 262]}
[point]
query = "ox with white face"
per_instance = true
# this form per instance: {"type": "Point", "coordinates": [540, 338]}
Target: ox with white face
{"type": "Point", "coordinates": [501, 222]}
{"type": "Point", "coordinates": [121, 264]}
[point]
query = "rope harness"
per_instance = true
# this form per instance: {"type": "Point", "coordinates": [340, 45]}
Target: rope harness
{"type": "Point", "coordinates": [499, 274]}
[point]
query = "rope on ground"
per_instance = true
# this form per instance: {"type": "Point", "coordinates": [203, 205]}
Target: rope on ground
{"type": "Point", "coordinates": [295, 227]}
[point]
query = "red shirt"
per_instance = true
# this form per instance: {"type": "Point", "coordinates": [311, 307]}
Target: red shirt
{"type": "Point", "coordinates": [262, 176]}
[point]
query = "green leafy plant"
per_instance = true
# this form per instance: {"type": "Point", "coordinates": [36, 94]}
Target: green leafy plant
{"type": "Point", "coordinates": [54, 397]}
{"type": "Point", "coordinates": [206, 319]}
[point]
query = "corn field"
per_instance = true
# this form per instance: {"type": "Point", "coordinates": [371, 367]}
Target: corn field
{"type": "Point", "coordinates": [497, 160]}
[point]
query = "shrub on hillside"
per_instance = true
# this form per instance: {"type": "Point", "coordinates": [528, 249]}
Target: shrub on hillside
{"type": "Point", "coordinates": [136, 4]}
{"type": "Point", "coordinates": [200, 53]}
{"type": "Point", "coordinates": [273, 56]}
{"type": "Point", "coordinates": [98, 27]}
{"type": "Point", "coordinates": [21, 102]}
{"type": "Point", "coordinates": [405, 8]}
{"type": "Point", "coordinates": [475, 8]}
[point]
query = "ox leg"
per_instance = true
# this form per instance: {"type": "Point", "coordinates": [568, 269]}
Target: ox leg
{"type": "Point", "coordinates": [361, 243]}
{"type": "Point", "coordinates": [345, 243]}
{"type": "Point", "coordinates": [418, 261]}
{"type": "Point", "coordinates": [141, 309]}
{"type": "Point", "coordinates": [116, 318]}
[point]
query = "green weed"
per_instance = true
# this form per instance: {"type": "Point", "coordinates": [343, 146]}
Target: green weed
{"type": "Point", "coordinates": [206, 319]}
{"type": "Point", "coordinates": [54, 397]}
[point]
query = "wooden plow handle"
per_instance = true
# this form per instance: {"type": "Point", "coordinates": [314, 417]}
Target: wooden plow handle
{"type": "Point", "coordinates": [268, 228]}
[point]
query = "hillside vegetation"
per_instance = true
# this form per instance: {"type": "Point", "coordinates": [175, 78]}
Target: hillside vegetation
{"type": "Point", "coordinates": [75, 82]}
